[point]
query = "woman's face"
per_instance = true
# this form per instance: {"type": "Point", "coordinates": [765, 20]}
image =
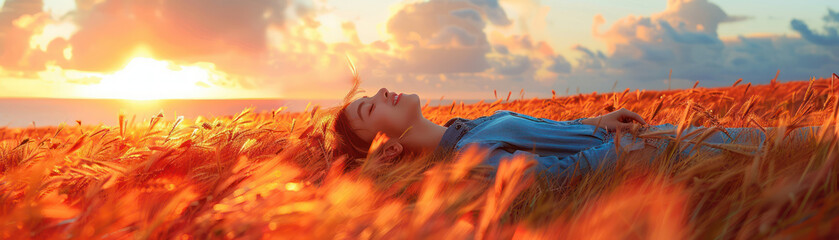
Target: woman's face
{"type": "Point", "coordinates": [388, 112]}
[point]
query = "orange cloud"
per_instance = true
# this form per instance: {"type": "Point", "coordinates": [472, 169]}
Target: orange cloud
{"type": "Point", "coordinates": [19, 20]}
{"type": "Point", "coordinates": [189, 30]}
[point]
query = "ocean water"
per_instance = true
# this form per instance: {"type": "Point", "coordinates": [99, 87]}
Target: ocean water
{"type": "Point", "coordinates": [28, 112]}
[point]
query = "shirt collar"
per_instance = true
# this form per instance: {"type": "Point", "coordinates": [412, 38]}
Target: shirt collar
{"type": "Point", "coordinates": [456, 128]}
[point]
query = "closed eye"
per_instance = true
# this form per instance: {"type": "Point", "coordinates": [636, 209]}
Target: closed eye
{"type": "Point", "coordinates": [372, 105]}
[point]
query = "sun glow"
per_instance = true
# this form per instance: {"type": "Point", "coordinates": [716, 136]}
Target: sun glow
{"type": "Point", "coordinates": [146, 78]}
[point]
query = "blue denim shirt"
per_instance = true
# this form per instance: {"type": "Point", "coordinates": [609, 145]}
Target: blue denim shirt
{"type": "Point", "coordinates": [555, 145]}
{"type": "Point", "coordinates": [565, 148]}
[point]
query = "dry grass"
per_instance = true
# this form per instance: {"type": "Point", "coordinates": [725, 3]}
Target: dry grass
{"type": "Point", "coordinates": [270, 175]}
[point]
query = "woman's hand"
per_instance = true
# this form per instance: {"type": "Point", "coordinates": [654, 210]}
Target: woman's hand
{"type": "Point", "coordinates": [621, 118]}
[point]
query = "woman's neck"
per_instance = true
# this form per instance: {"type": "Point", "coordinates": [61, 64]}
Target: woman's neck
{"type": "Point", "coordinates": [424, 136]}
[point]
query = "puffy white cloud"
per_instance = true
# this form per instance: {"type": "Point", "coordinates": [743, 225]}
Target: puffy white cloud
{"type": "Point", "coordinates": [683, 37]}
{"type": "Point", "coordinates": [445, 36]}
{"type": "Point", "coordinates": [695, 15]}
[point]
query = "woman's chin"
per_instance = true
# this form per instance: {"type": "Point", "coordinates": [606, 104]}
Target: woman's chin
{"type": "Point", "coordinates": [415, 100]}
{"type": "Point", "coordinates": [411, 101]}
{"type": "Point", "coordinates": [414, 96]}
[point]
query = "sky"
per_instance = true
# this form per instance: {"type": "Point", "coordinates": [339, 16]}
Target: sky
{"type": "Point", "coordinates": [454, 49]}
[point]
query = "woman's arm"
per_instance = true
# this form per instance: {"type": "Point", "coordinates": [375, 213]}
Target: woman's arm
{"type": "Point", "coordinates": [621, 118]}
{"type": "Point", "coordinates": [593, 158]}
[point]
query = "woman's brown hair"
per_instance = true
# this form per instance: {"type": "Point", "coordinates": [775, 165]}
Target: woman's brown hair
{"type": "Point", "coordinates": [352, 145]}
{"type": "Point", "coordinates": [347, 142]}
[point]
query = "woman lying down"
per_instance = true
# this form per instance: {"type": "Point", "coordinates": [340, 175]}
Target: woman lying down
{"type": "Point", "coordinates": [564, 148]}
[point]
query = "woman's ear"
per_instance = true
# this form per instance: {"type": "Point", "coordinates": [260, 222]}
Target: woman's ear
{"type": "Point", "coordinates": [392, 149]}
{"type": "Point", "coordinates": [384, 149]}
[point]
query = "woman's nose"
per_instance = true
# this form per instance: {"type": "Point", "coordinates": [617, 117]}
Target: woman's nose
{"type": "Point", "coordinates": [384, 92]}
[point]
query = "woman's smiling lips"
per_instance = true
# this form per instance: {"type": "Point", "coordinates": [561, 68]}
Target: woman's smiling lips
{"type": "Point", "coordinates": [393, 97]}
{"type": "Point", "coordinates": [396, 98]}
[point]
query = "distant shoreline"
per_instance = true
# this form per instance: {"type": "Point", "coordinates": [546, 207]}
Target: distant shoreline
{"type": "Point", "coordinates": [21, 112]}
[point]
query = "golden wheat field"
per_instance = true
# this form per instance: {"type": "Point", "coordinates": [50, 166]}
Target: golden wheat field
{"type": "Point", "coordinates": [270, 175]}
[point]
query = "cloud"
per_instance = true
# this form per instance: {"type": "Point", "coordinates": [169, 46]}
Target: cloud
{"type": "Point", "coordinates": [831, 16]}
{"type": "Point", "coordinates": [560, 65]}
{"type": "Point", "coordinates": [448, 43]}
{"type": "Point", "coordinates": [187, 30]}
{"type": "Point", "coordinates": [520, 58]}
{"type": "Point", "coordinates": [19, 20]}
{"type": "Point", "coordinates": [445, 36]}
{"type": "Point", "coordinates": [696, 15]}
{"type": "Point", "coordinates": [454, 36]}
{"type": "Point", "coordinates": [684, 22]}
{"type": "Point", "coordinates": [350, 32]}
{"type": "Point", "coordinates": [591, 60]}
{"type": "Point", "coordinates": [686, 36]}
{"type": "Point", "coordinates": [762, 55]}
{"type": "Point", "coordinates": [501, 49]}
{"type": "Point", "coordinates": [470, 14]}
{"type": "Point", "coordinates": [437, 47]}
{"type": "Point", "coordinates": [269, 44]}
{"type": "Point", "coordinates": [512, 64]}
{"type": "Point", "coordinates": [642, 50]}
{"type": "Point", "coordinates": [829, 38]}
{"type": "Point", "coordinates": [493, 11]}
{"type": "Point", "coordinates": [234, 36]}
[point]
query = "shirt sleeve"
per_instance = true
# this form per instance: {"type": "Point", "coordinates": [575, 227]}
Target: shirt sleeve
{"type": "Point", "coordinates": [600, 156]}
{"type": "Point", "coordinates": [577, 121]}
{"type": "Point", "coordinates": [569, 166]}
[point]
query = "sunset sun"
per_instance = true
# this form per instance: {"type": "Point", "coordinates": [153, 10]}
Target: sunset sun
{"type": "Point", "coordinates": [146, 78]}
